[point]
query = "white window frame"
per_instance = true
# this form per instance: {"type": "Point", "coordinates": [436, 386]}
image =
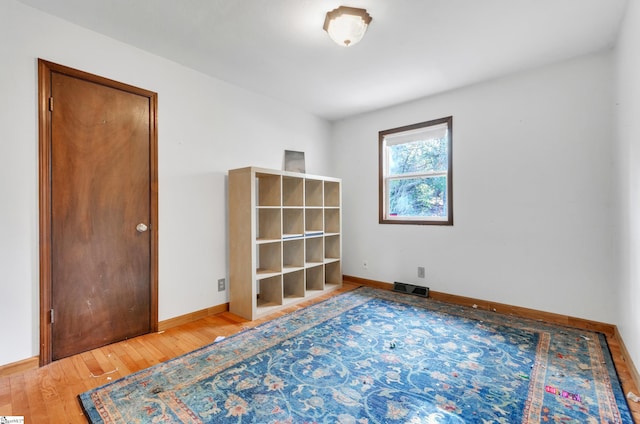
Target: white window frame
{"type": "Point", "coordinates": [410, 133]}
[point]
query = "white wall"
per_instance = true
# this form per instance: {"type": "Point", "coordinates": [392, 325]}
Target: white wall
{"type": "Point", "coordinates": [532, 180]}
{"type": "Point", "coordinates": [627, 100]}
{"type": "Point", "coordinates": [205, 127]}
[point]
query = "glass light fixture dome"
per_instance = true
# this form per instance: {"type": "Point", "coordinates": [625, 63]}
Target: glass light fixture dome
{"type": "Point", "coordinates": [346, 25]}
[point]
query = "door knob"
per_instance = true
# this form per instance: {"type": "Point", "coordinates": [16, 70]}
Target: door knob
{"type": "Point", "coordinates": [141, 228]}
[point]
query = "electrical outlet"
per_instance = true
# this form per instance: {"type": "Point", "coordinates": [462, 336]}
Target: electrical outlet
{"type": "Point", "coordinates": [221, 284]}
{"type": "Point", "coordinates": [420, 272]}
{"type": "Point", "coordinates": [365, 264]}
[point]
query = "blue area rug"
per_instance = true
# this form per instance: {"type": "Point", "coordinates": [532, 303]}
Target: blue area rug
{"type": "Point", "coordinates": [372, 356]}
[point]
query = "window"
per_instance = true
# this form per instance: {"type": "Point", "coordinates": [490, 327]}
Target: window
{"type": "Point", "coordinates": [416, 174]}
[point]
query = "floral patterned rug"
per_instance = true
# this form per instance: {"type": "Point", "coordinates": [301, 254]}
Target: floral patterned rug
{"type": "Point", "coordinates": [373, 356]}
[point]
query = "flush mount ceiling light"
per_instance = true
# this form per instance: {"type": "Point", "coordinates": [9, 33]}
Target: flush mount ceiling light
{"type": "Point", "coordinates": [346, 25]}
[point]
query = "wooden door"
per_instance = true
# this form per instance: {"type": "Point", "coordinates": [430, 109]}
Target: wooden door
{"type": "Point", "coordinates": [98, 169]}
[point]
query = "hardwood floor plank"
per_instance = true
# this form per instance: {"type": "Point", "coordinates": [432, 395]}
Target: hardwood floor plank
{"type": "Point", "coordinates": [76, 380]}
{"type": "Point", "coordinates": [82, 375]}
{"type": "Point", "coordinates": [39, 409]}
{"type": "Point", "coordinates": [190, 339]}
{"type": "Point", "coordinates": [139, 361]}
{"type": "Point", "coordinates": [149, 352]}
{"type": "Point", "coordinates": [5, 396]}
{"type": "Point", "coordinates": [50, 383]}
{"type": "Point", "coordinates": [167, 346]}
{"type": "Point", "coordinates": [55, 392]}
{"type": "Point", "coordinates": [108, 364]}
{"type": "Point", "coordinates": [95, 369]}
{"type": "Point", "coordinates": [19, 400]}
{"type": "Point", "coordinates": [195, 334]}
{"type": "Point", "coordinates": [119, 359]}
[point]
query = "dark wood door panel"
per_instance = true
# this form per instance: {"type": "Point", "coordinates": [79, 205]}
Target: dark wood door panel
{"type": "Point", "coordinates": [103, 285]}
{"type": "Point", "coordinates": [100, 181]}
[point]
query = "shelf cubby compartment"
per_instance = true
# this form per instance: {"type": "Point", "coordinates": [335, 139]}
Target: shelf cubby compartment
{"type": "Point", "coordinates": [292, 191]}
{"type": "Point", "coordinates": [293, 286]}
{"type": "Point", "coordinates": [313, 192]}
{"type": "Point", "coordinates": [269, 292]}
{"type": "Point", "coordinates": [268, 190]}
{"type": "Point", "coordinates": [315, 278]}
{"type": "Point", "coordinates": [331, 248]}
{"type": "Point", "coordinates": [268, 224]}
{"type": "Point", "coordinates": [313, 222]}
{"type": "Point", "coordinates": [331, 193]}
{"type": "Point", "coordinates": [292, 223]}
{"type": "Point", "coordinates": [333, 274]}
{"type": "Point", "coordinates": [292, 255]}
{"type": "Point", "coordinates": [331, 221]}
{"type": "Point", "coordinates": [314, 251]}
{"type": "Point", "coordinates": [268, 259]}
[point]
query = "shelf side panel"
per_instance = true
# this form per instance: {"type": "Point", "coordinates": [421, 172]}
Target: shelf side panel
{"type": "Point", "coordinates": [241, 239]}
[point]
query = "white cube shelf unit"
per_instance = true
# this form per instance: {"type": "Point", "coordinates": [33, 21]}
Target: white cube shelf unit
{"type": "Point", "coordinates": [285, 241]}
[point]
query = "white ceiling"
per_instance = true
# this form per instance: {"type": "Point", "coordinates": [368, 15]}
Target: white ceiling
{"type": "Point", "coordinates": [413, 48]}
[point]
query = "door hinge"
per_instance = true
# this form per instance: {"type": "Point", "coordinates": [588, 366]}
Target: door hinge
{"type": "Point", "coordinates": [51, 316]}
{"type": "Point", "coordinates": [50, 104]}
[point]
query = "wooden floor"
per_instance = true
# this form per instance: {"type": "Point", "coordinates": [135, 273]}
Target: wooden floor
{"type": "Point", "coordinates": [49, 394]}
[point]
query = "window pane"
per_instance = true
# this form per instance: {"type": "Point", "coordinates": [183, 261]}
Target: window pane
{"type": "Point", "coordinates": [418, 197]}
{"type": "Point", "coordinates": [415, 179]}
{"type": "Point", "coordinates": [418, 156]}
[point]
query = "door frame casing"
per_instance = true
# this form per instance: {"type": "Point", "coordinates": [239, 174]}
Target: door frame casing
{"type": "Point", "coordinates": [45, 68]}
